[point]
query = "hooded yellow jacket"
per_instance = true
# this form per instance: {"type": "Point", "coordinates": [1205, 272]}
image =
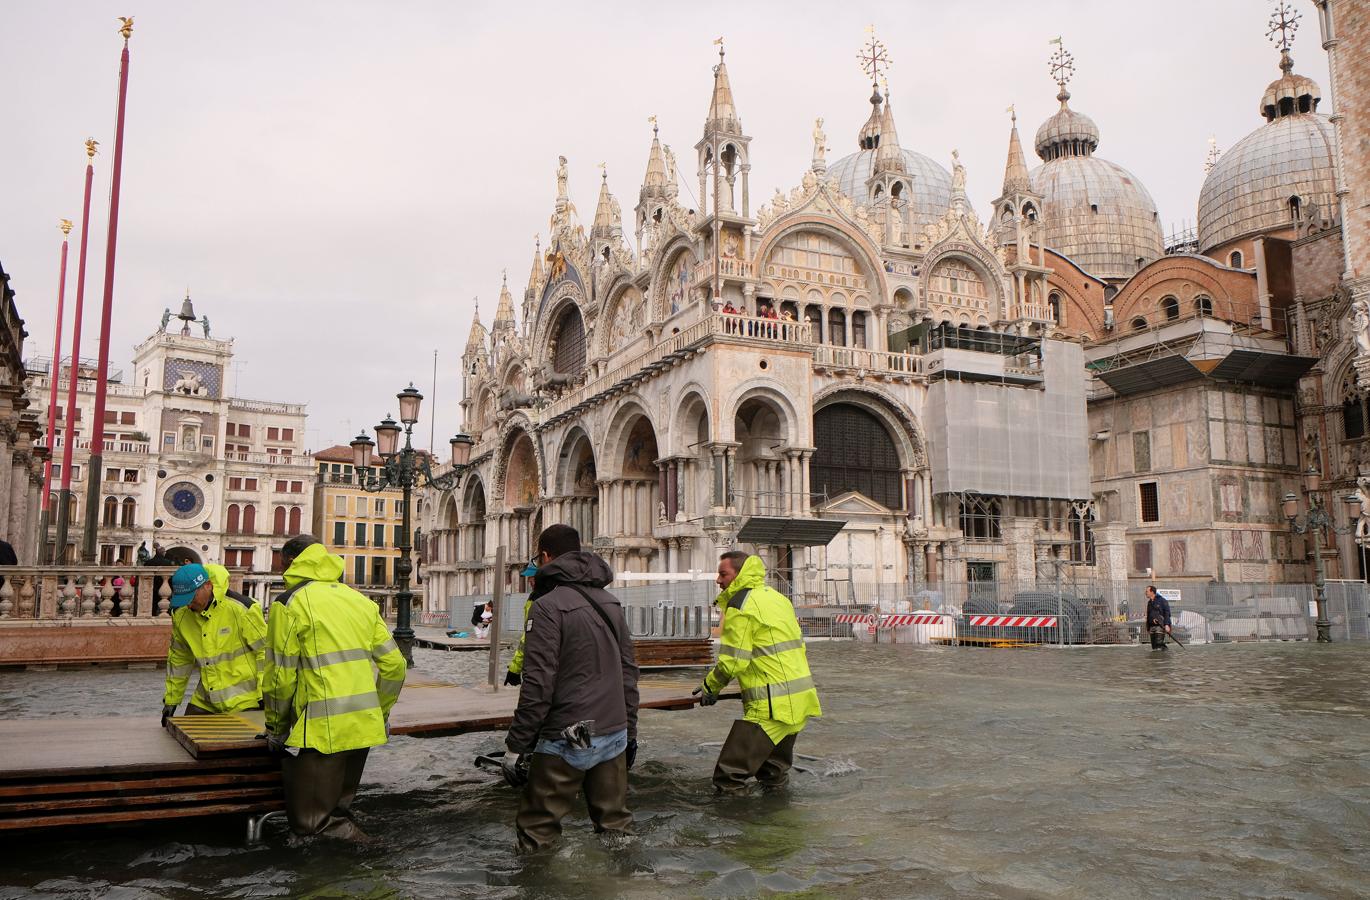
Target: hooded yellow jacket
{"type": "Point", "coordinates": [226, 643]}
{"type": "Point", "coordinates": [762, 646]}
{"type": "Point", "coordinates": [323, 639]}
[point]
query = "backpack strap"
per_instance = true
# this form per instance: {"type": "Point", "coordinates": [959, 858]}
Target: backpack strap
{"type": "Point", "coordinates": [603, 614]}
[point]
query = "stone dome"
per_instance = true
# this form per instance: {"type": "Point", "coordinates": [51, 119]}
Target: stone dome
{"type": "Point", "coordinates": [1250, 188]}
{"type": "Point", "coordinates": [1094, 211]}
{"type": "Point", "coordinates": [931, 182]}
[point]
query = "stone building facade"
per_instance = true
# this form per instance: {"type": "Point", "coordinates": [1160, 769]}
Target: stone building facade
{"type": "Point", "coordinates": [362, 527]}
{"type": "Point", "coordinates": [21, 451]}
{"type": "Point", "coordinates": [209, 476]}
{"type": "Point", "coordinates": [642, 395]}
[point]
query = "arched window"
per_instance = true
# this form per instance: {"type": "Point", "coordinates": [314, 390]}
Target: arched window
{"type": "Point", "coordinates": [1054, 305]}
{"type": "Point", "coordinates": [837, 327]}
{"type": "Point", "coordinates": [294, 520]}
{"type": "Point", "coordinates": [568, 340]}
{"type": "Point", "coordinates": [1139, 324]}
{"type": "Point", "coordinates": [1081, 537]}
{"type": "Point", "coordinates": [129, 512]}
{"type": "Point", "coordinates": [249, 519]}
{"type": "Point", "coordinates": [278, 521]}
{"type": "Point", "coordinates": [1295, 208]}
{"type": "Point", "coordinates": [1030, 212]}
{"type": "Point", "coordinates": [855, 452]}
{"type": "Point", "coordinates": [980, 517]}
{"type": "Point", "coordinates": [1234, 259]}
{"type": "Point", "coordinates": [234, 513]}
{"type": "Point", "coordinates": [1171, 307]}
{"type": "Point", "coordinates": [110, 516]}
{"type": "Point", "coordinates": [1203, 305]}
{"type": "Point", "coordinates": [858, 330]}
{"type": "Point", "coordinates": [1353, 412]}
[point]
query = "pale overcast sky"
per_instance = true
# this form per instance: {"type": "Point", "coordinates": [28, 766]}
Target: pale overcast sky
{"type": "Point", "coordinates": [335, 181]}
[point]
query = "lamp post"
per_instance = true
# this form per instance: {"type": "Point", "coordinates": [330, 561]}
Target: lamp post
{"type": "Point", "coordinates": [406, 469]}
{"type": "Point", "coordinates": [1318, 518]}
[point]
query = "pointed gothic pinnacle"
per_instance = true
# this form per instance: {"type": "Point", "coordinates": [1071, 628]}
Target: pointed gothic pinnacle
{"type": "Point", "coordinates": [1015, 168]}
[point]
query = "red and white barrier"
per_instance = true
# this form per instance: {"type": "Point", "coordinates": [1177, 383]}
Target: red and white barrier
{"type": "Point", "coordinates": [1012, 621]}
{"type": "Point", "coordinates": [855, 618]}
{"type": "Point", "coordinates": [902, 619]}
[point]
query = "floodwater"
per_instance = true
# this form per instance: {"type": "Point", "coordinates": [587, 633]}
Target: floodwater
{"type": "Point", "coordinates": [1220, 770]}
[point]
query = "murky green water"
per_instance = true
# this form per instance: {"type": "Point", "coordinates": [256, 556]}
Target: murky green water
{"type": "Point", "coordinates": [1111, 772]}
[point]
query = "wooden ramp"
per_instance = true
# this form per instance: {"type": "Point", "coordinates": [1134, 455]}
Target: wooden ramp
{"type": "Point", "coordinates": [62, 772]}
{"type": "Point", "coordinates": [91, 771]}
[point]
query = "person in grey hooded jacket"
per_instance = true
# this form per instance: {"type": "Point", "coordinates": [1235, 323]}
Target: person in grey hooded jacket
{"type": "Point", "coordinates": [575, 729]}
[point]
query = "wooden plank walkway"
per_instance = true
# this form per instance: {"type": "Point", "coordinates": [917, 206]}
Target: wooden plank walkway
{"type": "Point", "coordinates": [62, 771]}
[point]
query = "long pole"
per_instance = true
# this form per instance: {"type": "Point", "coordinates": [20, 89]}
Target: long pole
{"type": "Point", "coordinates": [433, 425]}
{"type": "Point", "coordinates": [1319, 578]}
{"type": "Point", "coordinates": [97, 441]}
{"type": "Point", "coordinates": [495, 625]}
{"type": "Point", "coordinates": [73, 375]}
{"type": "Point", "coordinates": [404, 599]}
{"type": "Point", "coordinates": [45, 509]}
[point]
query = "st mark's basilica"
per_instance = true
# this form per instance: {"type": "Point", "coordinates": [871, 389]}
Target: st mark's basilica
{"type": "Point", "coordinates": [866, 380]}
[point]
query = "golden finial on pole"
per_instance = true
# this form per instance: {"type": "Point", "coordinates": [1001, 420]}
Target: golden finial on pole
{"type": "Point", "coordinates": [874, 58]}
{"type": "Point", "coordinates": [65, 225]}
{"type": "Point", "coordinates": [127, 28]}
{"type": "Point", "coordinates": [91, 145]}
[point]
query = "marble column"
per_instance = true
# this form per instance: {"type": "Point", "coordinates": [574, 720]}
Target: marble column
{"type": "Point", "coordinates": [672, 491]}
{"type": "Point", "coordinates": [8, 435]}
{"type": "Point", "coordinates": [20, 483]}
{"type": "Point", "coordinates": [720, 476]}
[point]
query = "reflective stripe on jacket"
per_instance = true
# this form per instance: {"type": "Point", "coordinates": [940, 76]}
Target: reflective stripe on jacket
{"type": "Point", "coordinates": [322, 642]}
{"type": "Point", "coordinates": [516, 664]}
{"type": "Point", "coordinates": [225, 643]}
{"type": "Point", "coordinates": [761, 645]}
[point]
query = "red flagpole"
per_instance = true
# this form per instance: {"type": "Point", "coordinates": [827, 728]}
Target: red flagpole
{"type": "Point", "coordinates": [69, 426]}
{"type": "Point", "coordinates": [97, 441]}
{"type": "Point", "coordinates": [54, 374]}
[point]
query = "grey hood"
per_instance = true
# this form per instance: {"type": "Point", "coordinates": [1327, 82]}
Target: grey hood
{"type": "Point", "coordinates": [581, 567]}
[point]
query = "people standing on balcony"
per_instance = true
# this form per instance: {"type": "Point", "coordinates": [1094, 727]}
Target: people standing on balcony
{"type": "Point", "coordinates": [762, 646]}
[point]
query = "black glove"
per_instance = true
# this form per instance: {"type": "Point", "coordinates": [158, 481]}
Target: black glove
{"type": "Point", "coordinates": [275, 743]}
{"type": "Point", "coordinates": [167, 712]}
{"type": "Point", "coordinates": [630, 754]}
{"type": "Point", "coordinates": [515, 768]}
{"type": "Point", "coordinates": [706, 697]}
{"type": "Point", "coordinates": [513, 679]}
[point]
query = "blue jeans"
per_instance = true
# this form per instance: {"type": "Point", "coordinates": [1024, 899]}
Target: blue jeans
{"type": "Point", "coordinates": [603, 747]}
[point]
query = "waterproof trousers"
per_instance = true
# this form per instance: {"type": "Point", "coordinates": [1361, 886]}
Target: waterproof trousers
{"type": "Point", "coordinates": [1157, 637]}
{"type": "Point", "coordinates": [749, 753]}
{"type": "Point", "coordinates": [319, 789]}
{"type": "Point", "coordinates": [551, 789]}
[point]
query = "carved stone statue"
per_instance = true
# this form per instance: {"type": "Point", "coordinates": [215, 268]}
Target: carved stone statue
{"type": "Point", "coordinates": [204, 323]}
{"type": "Point", "coordinates": [1363, 522]}
{"type": "Point", "coordinates": [820, 140]}
{"type": "Point", "coordinates": [562, 178]}
{"type": "Point", "coordinates": [1311, 456]}
{"type": "Point", "coordinates": [896, 225]}
{"type": "Point", "coordinates": [958, 173]}
{"type": "Point", "coordinates": [670, 167]}
{"type": "Point", "coordinates": [166, 317]}
{"type": "Point", "coordinates": [615, 213]}
{"type": "Point", "coordinates": [1360, 326]}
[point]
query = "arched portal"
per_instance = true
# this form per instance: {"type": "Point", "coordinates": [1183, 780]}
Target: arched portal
{"type": "Point", "coordinates": [855, 452]}
{"type": "Point", "coordinates": [521, 495]}
{"type": "Point", "coordinates": [577, 485]}
{"type": "Point", "coordinates": [760, 484]}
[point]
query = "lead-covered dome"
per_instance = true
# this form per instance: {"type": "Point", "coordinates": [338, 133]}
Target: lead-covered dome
{"type": "Point", "coordinates": [1268, 179]}
{"type": "Point", "coordinates": [1094, 211]}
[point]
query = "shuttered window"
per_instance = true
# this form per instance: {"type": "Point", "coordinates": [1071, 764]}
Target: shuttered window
{"type": "Point", "coordinates": [568, 357]}
{"type": "Point", "coordinates": [855, 453]}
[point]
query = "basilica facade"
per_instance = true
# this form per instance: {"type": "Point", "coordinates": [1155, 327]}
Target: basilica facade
{"type": "Point", "coordinates": [966, 401]}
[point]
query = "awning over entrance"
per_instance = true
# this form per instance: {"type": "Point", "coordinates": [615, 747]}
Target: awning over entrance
{"type": "Point", "coordinates": [777, 531]}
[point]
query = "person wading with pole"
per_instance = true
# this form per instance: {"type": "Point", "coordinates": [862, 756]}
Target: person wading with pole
{"type": "Point", "coordinates": [1157, 617]}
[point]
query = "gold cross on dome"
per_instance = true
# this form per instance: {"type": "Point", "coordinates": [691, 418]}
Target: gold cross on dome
{"type": "Point", "coordinates": [1061, 64]}
{"type": "Point", "coordinates": [874, 58]}
{"type": "Point", "coordinates": [1284, 21]}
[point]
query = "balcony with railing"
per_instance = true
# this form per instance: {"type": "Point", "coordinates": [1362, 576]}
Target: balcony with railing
{"type": "Point", "coordinates": [827, 357]}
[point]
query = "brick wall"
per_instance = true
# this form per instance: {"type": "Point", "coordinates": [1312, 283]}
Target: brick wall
{"type": "Point", "coordinates": [1351, 89]}
{"type": "Point", "coordinates": [1317, 265]}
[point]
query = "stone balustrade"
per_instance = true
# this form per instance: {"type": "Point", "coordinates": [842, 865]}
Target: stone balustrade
{"type": "Point", "coordinates": [49, 594]}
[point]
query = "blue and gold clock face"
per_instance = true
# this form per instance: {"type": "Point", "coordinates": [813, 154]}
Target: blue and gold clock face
{"type": "Point", "coordinates": [184, 500]}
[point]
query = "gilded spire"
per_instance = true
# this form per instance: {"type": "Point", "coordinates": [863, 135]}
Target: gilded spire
{"type": "Point", "coordinates": [504, 312]}
{"type": "Point", "coordinates": [875, 62]}
{"type": "Point", "coordinates": [889, 157]}
{"type": "Point", "coordinates": [535, 273]}
{"type": "Point", "coordinates": [722, 110]}
{"type": "Point", "coordinates": [604, 214]}
{"type": "Point", "coordinates": [476, 340]}
{"type": "Point", "coordinates": [1015, 169]}
{"type": "Point", "coordinates": [655, 179]}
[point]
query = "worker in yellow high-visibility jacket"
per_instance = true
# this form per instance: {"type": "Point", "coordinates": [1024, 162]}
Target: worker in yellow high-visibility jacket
{"type": "Point", "coordinates": [514, 676]}
{"type": "Point", "coordinates": [325, 707]}
{"type": "Point", "coordinates": [762, 646]}
{"type": "Point", "coordinates": [221, 633]}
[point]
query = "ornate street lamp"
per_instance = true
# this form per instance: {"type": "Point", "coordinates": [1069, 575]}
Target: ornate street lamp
{"type": "Point", "coordinates": [1315, 521]}
{"type": "Point", "coordinates": [406, 469]}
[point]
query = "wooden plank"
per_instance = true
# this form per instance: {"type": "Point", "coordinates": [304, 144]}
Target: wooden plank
{"type": "Point", "coordinates": [199, 779]}
{"type": "Point", "coordinates": [121, 816]}
{"type": "Point", "coordinates": [128, 801]}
